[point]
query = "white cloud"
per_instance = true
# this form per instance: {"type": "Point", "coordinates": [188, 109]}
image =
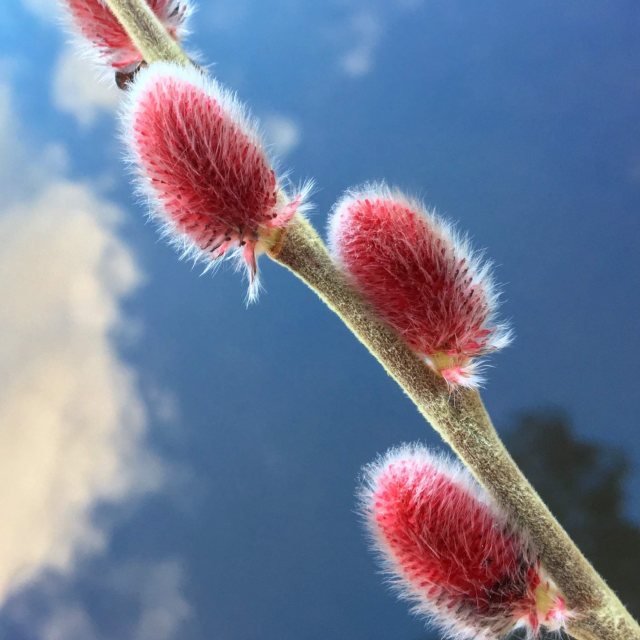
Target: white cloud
{"type": "Point", "coordinates": [157, 609]}
{"type": "Point", "coordinates": [72, 421]}
{"type": "Point", "coordinates": [76, 90]}
{"type": "Point", "coordinates": [78, 87]}
{"type": "Point", "coordinates": [283, 134]}
{"type": "Point", "coordinates": [71, 418]}
{"type": "Point", "coordinates": [45, 9]}
{"type": "Point", "coordinates": [158, 587]}
{"type": "Point", "coordinates": [19, 173]}
{"type": "Point", "coordinates": [358, 61]}
{"type": "Point", "coordinates": [68, 622]}
{"type": "Point", "coordinates": [364, 33]}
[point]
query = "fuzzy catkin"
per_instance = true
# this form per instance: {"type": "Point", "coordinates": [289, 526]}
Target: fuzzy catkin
{"type": "Point", "coordinates": [449, 550]}
{"type": "Point", "coordinates": [201, 162]}
{"type": "Point", "coordinates": [421, 277]}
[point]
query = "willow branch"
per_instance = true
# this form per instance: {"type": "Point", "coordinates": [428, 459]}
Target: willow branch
{"type": "Point", "coordinates": [147, 32]}
{"type": "Point", "coordinates": [460, 418]}
{"type": "Point", "coordinates": [463, 422]}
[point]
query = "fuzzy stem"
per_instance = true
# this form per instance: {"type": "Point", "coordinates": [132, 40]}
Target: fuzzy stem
{"type": "Point", "coordinates": [463, 422]}
{"type": "Point", "coordinates": [147, 32]}
{"type": "Point", "coordinates": [460, 418]}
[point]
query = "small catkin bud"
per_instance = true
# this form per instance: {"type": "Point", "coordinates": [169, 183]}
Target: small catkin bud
{"type": "Point", "coordinates": [108, 40]}
{"type": "Point", "coordinates": [202, 164]}
{"type": "Point", "coordinates": [421, 277]}
{"type": "Point", "coordinates": [451, 553]}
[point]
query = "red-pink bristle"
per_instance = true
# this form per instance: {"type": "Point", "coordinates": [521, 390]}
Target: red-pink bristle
{"type": "Point", "coordinates": [420, 277]}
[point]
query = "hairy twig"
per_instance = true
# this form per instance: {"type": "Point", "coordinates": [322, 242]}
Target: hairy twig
{"type": "Point", "coordinates": [147, 32]}
{"type": "Point", "coordinates": [463, 422]}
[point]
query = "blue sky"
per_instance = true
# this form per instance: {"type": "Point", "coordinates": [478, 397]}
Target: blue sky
{"type": "Point", "coordinates": [178, 466]}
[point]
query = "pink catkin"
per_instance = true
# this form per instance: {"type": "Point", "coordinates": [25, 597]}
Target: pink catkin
{"type": "Point", "coordinates": [100, 28]}
{"type": "Point", "coordinates": [451, 553]}
{"type": "Point", "coordinates": [202, 164]}
{"type": "Point", "coordinates": [420, 277]}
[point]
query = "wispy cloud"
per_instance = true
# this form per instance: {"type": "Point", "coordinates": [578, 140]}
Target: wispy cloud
{"type": "Point", "coordinates": [76, 86]}
{"type": "Point", "coordinates": [282, 133]}
{"type": "Point", "coordinates": [364, 33]}
{"type": "Point", "coordinates": [20, 173]}
{"type": "Point", "coordinates": [155, 609]}
{"type": "Point", "coordinates": [72, 421]}
{"type": "Point", "coordinates": [45, 9]}
{"type": "Point", "coordinates": [76, 90]}
{"type": "Point", "coordinates": [159, 589]}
